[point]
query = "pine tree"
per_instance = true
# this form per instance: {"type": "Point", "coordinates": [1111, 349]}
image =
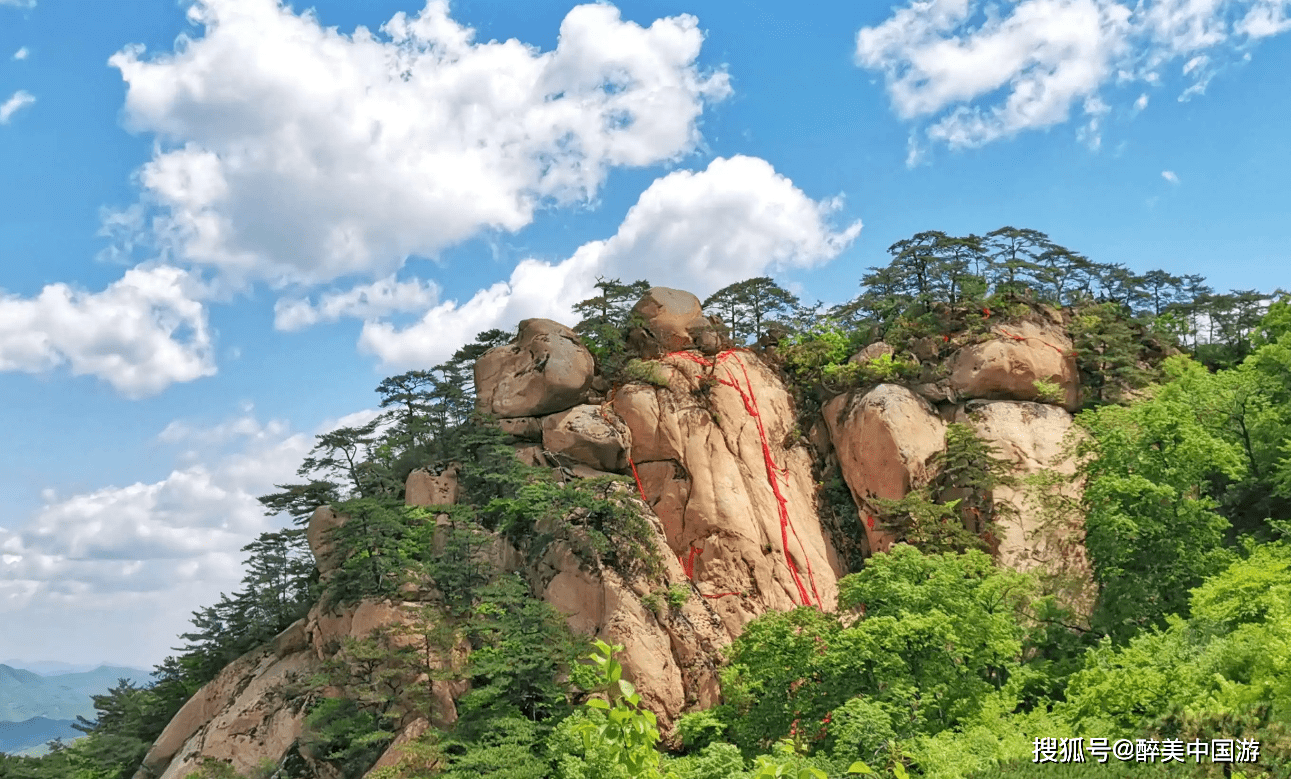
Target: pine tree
{"type": "Point", "coordinates": [1015, 255]}
{"type": "Point", "coordinates": [746, 305]}
{"type": "Point", "coordinates": [605, 315]}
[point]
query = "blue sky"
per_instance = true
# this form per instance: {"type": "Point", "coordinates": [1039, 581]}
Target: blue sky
{"type": "Point", "coordinates": [223, 222]}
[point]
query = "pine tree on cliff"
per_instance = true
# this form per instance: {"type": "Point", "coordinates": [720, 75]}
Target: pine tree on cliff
{"type": "Point", "coordinates": [918, 267]}
{"type": "Point", "coordinates": [1015, 255]}
{"type": "Point", "coordinates": [745, 306]}
{"type": "Point", "coordinates": [1062, 273]}
{"type": "Point", "coordinates": [605, 315]}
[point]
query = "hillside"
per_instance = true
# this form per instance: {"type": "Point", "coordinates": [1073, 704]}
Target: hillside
{"type": "Point", "coordinates": [30, 736]}
{"type": "Point", "coordinates": [24, 695]}
{"type": "Point", "coordinates": [984, 500]}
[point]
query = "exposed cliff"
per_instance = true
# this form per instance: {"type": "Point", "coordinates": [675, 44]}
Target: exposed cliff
{"type": "Point", "coordinates": [724, 491]}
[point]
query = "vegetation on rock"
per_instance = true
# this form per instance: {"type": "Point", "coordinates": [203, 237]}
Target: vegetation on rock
{"type": "Point", "coordinates": [938, 663]}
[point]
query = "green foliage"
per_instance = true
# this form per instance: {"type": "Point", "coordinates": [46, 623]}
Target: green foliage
{"type": "Point", "coordinates": [620, 725]}
{"type": "Point", "coordinates": [347, 734]}
{"type": "Point", "coordinates": [698, 729]}
{"type": "Point", "coordinates": [939, 636]}
{"type": "Point", "coordinates": [1107, 353]}
{"type": "Point", "coordinates": [677, 595]}
{"type": "Point", "coordinates": [1151, 528]}
{"type": "Point", "coordinates": [645, 372]}
{"type": "Point", "coordinates": [1048, 391]}
{"type": "Point", "coordinates": [955, 511]}
{"type": "Point", "coordinates": [888, 367]}
{"type": "Point", "coordinates": [1230, 659]}
{"type": "Point", "coordinates": [596, 514]}
{"type": "Point", "coordinates": [745, 306]}
{"type": "Point", "coordinates": [377, 545]}
{"type": "Point", "coordinates": [604, 320]}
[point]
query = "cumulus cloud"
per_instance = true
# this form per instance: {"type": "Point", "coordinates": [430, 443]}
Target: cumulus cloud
{"type": "Point", "coordinates": [151, 551]}
{"type": "Point", "coordinates": [16, 102]}
{"type": "Point", "coordinates": [291, 152]}
{"type": "Point", "coordinates": [140, 334]}
{"type": "Point", "coordinates": [365, 301]}
{"type": "Point", "coordinates": [1170, 176]}
{"type": "Point", "coordinates": [694, 230]}
{"type": "Point", "coordinates": [974, 72]}
{"type": "Point", "coordinates": [21, 54]}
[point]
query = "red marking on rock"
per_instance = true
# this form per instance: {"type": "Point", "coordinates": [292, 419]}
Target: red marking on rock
{"type": "Point", "coordinates": [1041, 340]}
{"type": "Point", "coordinates": [751, 408]}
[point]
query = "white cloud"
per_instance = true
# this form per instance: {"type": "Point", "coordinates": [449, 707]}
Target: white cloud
{"type": "Point", "coordinates": [1142, 102]}
{"type": "Point", "coordinates": [367, 301]}
{"type": "Point", "coordinates": [140, 334]}
{"type": "Point", "coordinates": [291, 152]}
{"type": "Point", "coordinates": [19, 3]}
{"type": "Point", "coordinates": [1266, 18]}
{"type": "Point", "coordinates": [694, 230]}
{"type": "Point", "coordinates": [149, 553]}
{"type": "Point", "coordinates": [977, 72]}
{"type": "Point", "coordinates": [1170, 176]}
{"type": "Point", "coordinates": [21, 54]}
{"type": "Point", "coordinates": [16, 102]}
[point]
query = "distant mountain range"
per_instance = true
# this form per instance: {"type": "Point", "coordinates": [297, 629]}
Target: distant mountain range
{"type": "Point", "coordinates": [56, 667]}
{"type": "Point", "coordinates": [42, 707]}
{"type": "Point", "coordinates": [30, 736]}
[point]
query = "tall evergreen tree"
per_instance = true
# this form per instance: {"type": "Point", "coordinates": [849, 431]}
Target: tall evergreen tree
{"type": "Point", "coordinates": [1015, 255]}
{"type": "Point", "coordinates": [746, 305]}
{"type": "Point", "coordinates": [605, 316]}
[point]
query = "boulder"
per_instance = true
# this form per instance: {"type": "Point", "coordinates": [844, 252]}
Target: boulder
{"type": "Point", "coordinates": [396, 751]}
{"type": "Point", "coordinates": [585, 435]}
{"type": "Point", "coordinates": [545, 370]}
{"type": "Point", "coordinates": [884, 441]}
{"type": "Point", "coordinates": [872, 352]}
{"type": "Point", "coordinates": [426, 489]}
{"type": "Point", "coordinates": [671, 320]}
{"type": "Point", "coordinates": [523, 428]}
{"type": "Point", "coordinates": [318, 533]}
{"type": "Point", "coordinates": [1008, 366]}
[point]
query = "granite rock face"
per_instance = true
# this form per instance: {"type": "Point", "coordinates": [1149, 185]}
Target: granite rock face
{"type": "Point", "coordinates": [545, 370]}
{"type": "Point", "coordinates": [1009, 366]}
{"type": "Point", "coordinates": [885, 441]}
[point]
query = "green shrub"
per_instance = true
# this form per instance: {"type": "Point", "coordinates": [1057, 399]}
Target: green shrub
{"type": "Point", "coordinates": [698, 729]}
{"type": "Point", "coordinates": [1048, 391]}
{"type": "Point", "coordinates": [677, 595]}
{"type": "Point", "coordinates": [645, 372]}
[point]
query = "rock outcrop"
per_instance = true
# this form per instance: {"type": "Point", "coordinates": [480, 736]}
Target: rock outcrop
{"type": "Point", "coordinates": [884, 442]}
{"type": "Point", "coordinates": [735, 505]}
{"type": "Point", "coordinates": [426, 489]}
{"type": "Point", "coordinates": [254, 710]}
{"type": "Point", "coordinates": [671, 653]}
{"type": "Point", "coordinates": [237, 717]}
{"type": "Point", "coordinates": [1032, 436]}
{"type": "Point", "coordinates": [1009, 367]}
{"type": "Point", "coordinates": [584, 435]}
{"type": "Point", "coordinates": [670, 320]}
{"type": "Point", "coordinates": [545, 370]}
{"type": "Point", "coordinates": [725, 485]}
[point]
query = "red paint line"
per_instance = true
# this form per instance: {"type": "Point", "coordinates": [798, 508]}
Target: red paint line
{"type": "Point", "coordinates": [635, 475]}
{"type": "Point", "coordinates": [1027, 337]}
{"type": "Point", "coordinates": [786, 525]}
